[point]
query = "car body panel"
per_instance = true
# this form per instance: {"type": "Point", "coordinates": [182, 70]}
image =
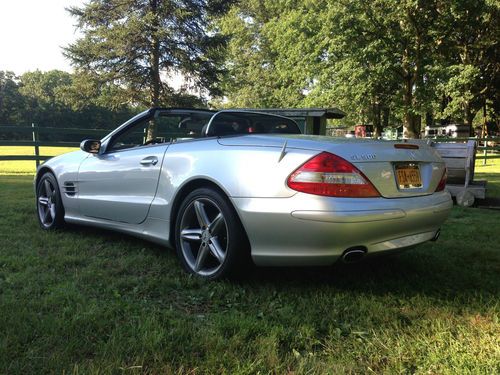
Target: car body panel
{"type": "Point", "coordinates": [120, 185]}
{"type": "Point", "coordinates": [318, 231]}
{"type": "Point", "coordinates": [113, 190]}
{"type": "Point", "coordinates": [375, 158]}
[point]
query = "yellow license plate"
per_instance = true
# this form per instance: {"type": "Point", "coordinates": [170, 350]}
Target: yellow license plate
{"type": "Point", "coordinates": [408, 176]}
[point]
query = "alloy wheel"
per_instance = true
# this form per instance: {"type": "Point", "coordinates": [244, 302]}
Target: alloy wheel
{"type": "Point", "coordinates": [204, 236]}
{"type": "Point", "coordinates": [47, 203]}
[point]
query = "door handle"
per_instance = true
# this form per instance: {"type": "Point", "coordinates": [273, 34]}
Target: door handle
{"type": "Point", "coordinates": [150, 160]}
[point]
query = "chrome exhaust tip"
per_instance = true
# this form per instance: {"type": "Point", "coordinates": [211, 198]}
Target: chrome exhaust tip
{"type": "Point", "coordinates": [353, 255]}
{"type": "Point", "coordinates": [436, 236]}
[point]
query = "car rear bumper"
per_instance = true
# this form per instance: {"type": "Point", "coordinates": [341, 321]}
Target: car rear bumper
{"type": "Point", "coordinates": [313, 230]}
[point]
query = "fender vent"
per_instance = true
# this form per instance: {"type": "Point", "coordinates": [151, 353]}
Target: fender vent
{"type": "Point", "coordinates": [69, 189]}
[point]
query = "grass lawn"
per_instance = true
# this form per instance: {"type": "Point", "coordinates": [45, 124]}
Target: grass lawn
{"type": "Point", "coordinates": [87, 301]}
{"type": "Point", "coordinates": [26, 166]}
{"type": "Point", "coordinates": [491, 173]}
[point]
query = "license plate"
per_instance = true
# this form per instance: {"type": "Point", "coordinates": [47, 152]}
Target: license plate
{"type": "Point", "coordinates": [408, 176]}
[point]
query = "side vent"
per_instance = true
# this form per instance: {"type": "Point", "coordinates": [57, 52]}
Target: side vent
{"type": "Point", "coordinates": [69, 189]}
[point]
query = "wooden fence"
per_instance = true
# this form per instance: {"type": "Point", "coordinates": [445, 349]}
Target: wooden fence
{"type": "Point", "coordinates": [484, 144]}
{"type": "Point", "coordinates": [36, 143]}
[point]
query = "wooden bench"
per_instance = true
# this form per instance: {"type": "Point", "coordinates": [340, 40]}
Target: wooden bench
{"type": "Point", "coordinates": [460, 159]}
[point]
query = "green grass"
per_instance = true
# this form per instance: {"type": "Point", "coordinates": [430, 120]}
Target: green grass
{"type": "Point", "coordinates": [491, 173]}
{"type": "Point", "coordinates": [86, 301]}
{"type": "Point", "coordinates": [26, 166]}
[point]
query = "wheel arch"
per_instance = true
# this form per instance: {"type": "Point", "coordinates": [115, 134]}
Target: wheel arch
{"type": "Point", "coordinates": [185, 190]}
{"type": "Point", "coordinates": [43, 169]}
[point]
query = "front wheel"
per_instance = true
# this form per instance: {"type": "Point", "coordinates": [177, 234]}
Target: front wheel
{"type": "Point", "coordinates": [210, 240]}
{"type": "Point", "coordinates": [48, 203]}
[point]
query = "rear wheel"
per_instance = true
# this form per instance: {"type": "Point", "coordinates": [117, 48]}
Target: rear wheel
{"type": "Point", "coordinates": [210, 240]}
{"type": "Point", "coordinates": [48, 202]}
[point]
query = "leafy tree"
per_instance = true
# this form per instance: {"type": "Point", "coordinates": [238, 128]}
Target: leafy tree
{"type": "Point", "coordinates": [41, 90]}
{"type": "Point", "coordinates": [381, 61]}
{"type": "Point", "coordinates": [271, 52]}
{"type": "Point", "coordinates": [138, 44]}
{"type": "Point", "coordinates": [390, 43]}
{"type": "Point", "coordinates": [469, 56]}
{"type": "Point", "coordinates": [363, 56]}
{"type": "Point", "coordinates": [11, 101]}
{"type": "Point", "coordinates": [48, 99]}
{"type": "Point", "coordinates": [353, 71]}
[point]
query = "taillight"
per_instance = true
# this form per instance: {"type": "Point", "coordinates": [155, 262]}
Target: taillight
{"type": "Point", "coordinates": [330, 175]}
{"type": "Point", "coordinates": [442, 183]}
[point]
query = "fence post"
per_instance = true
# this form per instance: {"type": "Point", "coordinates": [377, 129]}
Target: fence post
{"type": "Point", "coordinates": [485, 151]}
{"type": "Point", "coordinates": [35, 141]}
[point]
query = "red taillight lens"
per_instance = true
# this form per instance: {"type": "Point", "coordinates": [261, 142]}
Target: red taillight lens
{"type": "Point", "coordinates": [442, 183]}
{"type": "Point", "coordinates": [330, 175]}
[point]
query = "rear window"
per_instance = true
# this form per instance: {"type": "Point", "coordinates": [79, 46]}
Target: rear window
{"type": "Point", "coordinates": [234, 123]}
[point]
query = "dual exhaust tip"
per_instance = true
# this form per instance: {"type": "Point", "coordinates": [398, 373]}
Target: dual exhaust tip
{"type": "Point", "coordinates": [355, 254]}
{"type": "Point", "coordinates": [436, 236]}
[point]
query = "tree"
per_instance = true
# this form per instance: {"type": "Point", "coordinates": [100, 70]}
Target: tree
{"type": "Point", "coordinates": [253, 63]}
{"type": "Point", "coordinates": [363, 56]}
{"type": "Point", "coordinates": [381, 61]}
{"type": "Point", "coordinates": [469, 56]}
{"type": "Point", "coordinates": [393, 42]}
{"type": "Point", "coordinates": [138, 44]}
{"type": "Point", "coordinates": [11, 101]}
{"type": "Point", "coordinates": [353, 70]}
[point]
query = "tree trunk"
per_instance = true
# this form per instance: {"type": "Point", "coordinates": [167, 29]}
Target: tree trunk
{"type": "Point", "coordinates": [154, 61]}
{"type": "Point", "coordinates": [155, 56]}
{"type": "Point", "coordinates": [429, 119]}
{"type": "Point", "coordinates": [385, 117]}
{"type": "Point", "coordinates": [484, 130]}
{"type": "Point", "coordinates": [377, 123]}
{"type": "Point", "coordinates": [444, 103]}
{"type": "Point", "coordinates": [408, 117]}
{"type": "Point", "coordinates": [469, 117]}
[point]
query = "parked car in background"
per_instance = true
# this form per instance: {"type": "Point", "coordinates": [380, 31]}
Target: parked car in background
{"type": "Point", "coordinates": [363, 131]}
{"type": "Point", "coordinates": [231, 187]}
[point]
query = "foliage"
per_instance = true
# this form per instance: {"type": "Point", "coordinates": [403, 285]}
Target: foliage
{"type": "Point", "coordinates": [266, 59]}
{"type": "Point", "coordinates": [59, 99]}
{"type": "Point", "coordinates": [11, 101]}
{"type": "Point", "coordinates": [138, 44]}
{"type": "Point", "coordinates": [383, 61]}
{"type": "Point", "coordinates": [469, 57]}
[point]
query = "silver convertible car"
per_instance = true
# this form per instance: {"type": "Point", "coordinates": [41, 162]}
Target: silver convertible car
{"type": "Point", "coordinates": [231, 187]}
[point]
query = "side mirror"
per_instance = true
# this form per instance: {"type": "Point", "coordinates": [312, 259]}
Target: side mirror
{"type": "Point", "coordinates": [91, 146]}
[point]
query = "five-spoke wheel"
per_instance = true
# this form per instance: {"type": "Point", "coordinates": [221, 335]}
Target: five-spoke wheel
{"type": "Point", "coordinates": [210, 240]}
{"type": "Point", "coordinates": [49, 205]}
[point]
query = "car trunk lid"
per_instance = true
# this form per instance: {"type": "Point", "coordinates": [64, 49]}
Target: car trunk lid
{"type": "Point", "coordinates": [396, 168]}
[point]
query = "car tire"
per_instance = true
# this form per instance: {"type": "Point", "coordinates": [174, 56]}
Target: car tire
{"type": "Point", "coordinates": [48, 203]}
{"type": "Point", "coordinates": [210, 240]}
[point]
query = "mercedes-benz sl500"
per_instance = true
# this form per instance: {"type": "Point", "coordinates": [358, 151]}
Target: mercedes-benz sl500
{"type": "Point", "coordinates": [228, 187]}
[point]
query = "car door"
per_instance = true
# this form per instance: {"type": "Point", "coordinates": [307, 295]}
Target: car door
{"type": "Point", "coordinates": [120, 185]}
{"type": "Point", "coordinates": [120, 182]}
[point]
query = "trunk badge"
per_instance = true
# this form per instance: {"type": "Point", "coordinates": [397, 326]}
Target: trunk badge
{"type": "Point", "coordinates": [363, 157]}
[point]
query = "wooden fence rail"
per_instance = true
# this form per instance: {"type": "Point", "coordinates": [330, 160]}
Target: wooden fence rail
{"type": "Point", "coordinates": [36, 143]}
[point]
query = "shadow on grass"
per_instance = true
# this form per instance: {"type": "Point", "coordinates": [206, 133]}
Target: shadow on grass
{"type": "Point", "coordinates": [439, 270]}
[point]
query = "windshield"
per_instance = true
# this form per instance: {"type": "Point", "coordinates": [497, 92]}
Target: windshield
{"type": "Point", "coordinates": [234, 123]}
